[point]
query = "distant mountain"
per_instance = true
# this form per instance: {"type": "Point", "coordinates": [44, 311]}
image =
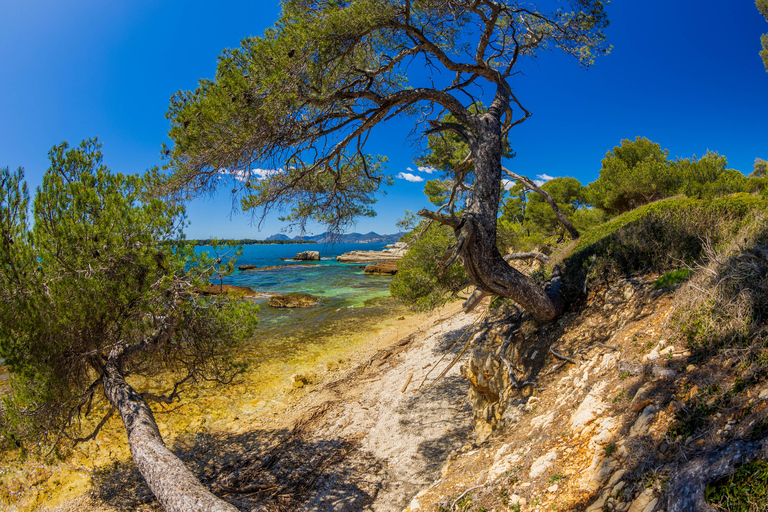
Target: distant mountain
{"type": "Point", "coordinates": [279, 236]}
{"type": "Point", "coordinates": [353, 238]}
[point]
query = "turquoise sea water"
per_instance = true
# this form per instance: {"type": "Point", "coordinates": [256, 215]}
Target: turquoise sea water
{"type": "Point", "coordinates": [349, 299]}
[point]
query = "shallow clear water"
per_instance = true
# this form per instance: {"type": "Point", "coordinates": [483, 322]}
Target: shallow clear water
{"type": "Point", "coordinates": [349, 299]}
{"type": "Point", "coordinates": [350, 302]}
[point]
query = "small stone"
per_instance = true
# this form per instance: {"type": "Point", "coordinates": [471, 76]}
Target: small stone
{"type": "Point", "coordinates": [763, 394]}
{"type": "Point", "coordinates": [642, 422]}
{"type": "Point", "coordinates": [643, 501]}
{"type": "Point", "coordinates": [542, 464]}
{"type": "Point", "coordinates": [617, 476]}
{"type": "Point", "coordinates": [651, 356]}
{"type": "Point", "coordinates": [651, 506]}
{"type": "Point", "coordinates": [667, 350]}
{"type": "Point", "coordinates": [553, 488]}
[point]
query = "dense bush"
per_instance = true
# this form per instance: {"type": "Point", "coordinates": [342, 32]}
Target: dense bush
{"type": "Point", "coordinates": [419, 282]}
{"type": "Point", "coordinates": [658, 236]}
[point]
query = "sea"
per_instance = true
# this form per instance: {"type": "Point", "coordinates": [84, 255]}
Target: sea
{"type": "Point", "coordinates": [350, 300]}
{"type": "Point", "coordinates": [352, 304]}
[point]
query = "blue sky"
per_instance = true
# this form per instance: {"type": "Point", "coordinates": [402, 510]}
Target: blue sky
{"type": "Point", "coordinates": [684, 73]}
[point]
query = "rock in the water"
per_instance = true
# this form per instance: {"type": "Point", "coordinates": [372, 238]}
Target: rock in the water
{"type": "Point", "coordinates": [293, 300]}
{"type": "Point", "coordinates": [393, 252]}
{"type": "Point", "coordinates": [217, 289]}
{"type": "Point", "coordinates": [307, 256]}
{"type": "Point", "coordinates": [382, 268]}
{"type": "Point", "coordinates": [246, 267]}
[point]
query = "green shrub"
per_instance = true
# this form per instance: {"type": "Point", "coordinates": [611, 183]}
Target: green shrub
{"type": "Point", "coordinates": [744, 491]}
{"type": "Point", "coordinates": [418, 283]}
{"type": "Point", "coordinates": [673, 277]}
{"type": "Point", "coordinates": [657, 237]}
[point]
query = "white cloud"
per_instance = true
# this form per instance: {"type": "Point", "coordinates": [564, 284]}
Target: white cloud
{"type": "Point", "coordinates": [243, 176]}
{"type": "Point", "coordinates": [542, 179]}
{"type": "Point", "coordinates": [410, 177]}
{"type": "Point", "coordinates": [508, 184]}
{"type": "Point", "coordinates": [427, 169]}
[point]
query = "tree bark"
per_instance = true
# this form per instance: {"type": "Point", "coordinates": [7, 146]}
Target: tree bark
{"type": "Point", "coordinates": [532, 255]}
{"type": "Point", "coordinates": [687, 489]}
{"type": "Point", "coordinates": [174, 486]}
{"type": "Point", "coordinates": [484, 264]}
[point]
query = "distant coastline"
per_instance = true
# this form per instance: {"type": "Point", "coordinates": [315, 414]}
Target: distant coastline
{"type": "Point", "coordinates": [248, 241]}
{"type": "Point", "coordinates": [354, 238]}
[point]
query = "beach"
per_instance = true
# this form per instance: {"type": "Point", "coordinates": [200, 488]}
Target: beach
{"type": "Point", "coordinates": [346, 397]}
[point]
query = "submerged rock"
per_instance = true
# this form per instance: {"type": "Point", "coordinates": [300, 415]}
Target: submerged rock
{"type": "Point", "coordinates": [294, 300]}
{"type": "Point", "coordinates": [382, 268]}
{"type": "Point", "coordinates": [217, 289]}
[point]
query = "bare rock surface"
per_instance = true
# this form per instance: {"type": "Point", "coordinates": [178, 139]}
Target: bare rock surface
{"type": "Point", "coordinates": [307, 256]}
{"type": "Point", "coordinates": [394, 252]}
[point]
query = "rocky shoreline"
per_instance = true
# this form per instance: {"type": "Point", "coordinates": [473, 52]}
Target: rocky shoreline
{"type": "Point", "coordinates": [393, 252]}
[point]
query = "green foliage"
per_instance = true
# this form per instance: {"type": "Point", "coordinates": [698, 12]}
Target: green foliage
{"type": "Point", "coordinates": [744, 491]}
{"type": "Point", "coordinates": [437, 191]}
{"type": "Point", "coordinates": [760, 169]}
{"type": "Point", "coordinates": [288, 114]}
{"type": "Point", "coordinates": [567, 194]}
{"type": "Point", "coordinates": [420, 283]}
{"type": "Point", "coordinates": [657, 236]}
{"type": "Point", "coordinates": [638, 172]}
{"type": "Point", "coordinates": [528, 222]}
{"type": "Point", "coordinates": [762, 6]}
{"type": "Point", "coordinates": [97, 269]}
{"type": "Point", "coordinates": [633, 174]}
{"type": "Point", "coordinates": [672, 278]}
{"type": "Point", "coordinates": [707, 177]}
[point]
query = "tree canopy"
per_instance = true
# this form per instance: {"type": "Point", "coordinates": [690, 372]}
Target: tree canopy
{"type": "Point", "coordinates": [762, 6]}
{"type": "Point", "coordinates": [638, 172]}
{"type": "Point", "coordinates": [760, 169]}
{"type": "Point", "coordinates": [97, 288]}
{"type": "Point", "coordinates": [289, 113]}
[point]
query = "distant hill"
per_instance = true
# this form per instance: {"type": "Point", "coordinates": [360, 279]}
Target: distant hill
{"type": "Point", "coordinates": [346, 238]}
{"type": "Point", "coordinates": [279, 236]}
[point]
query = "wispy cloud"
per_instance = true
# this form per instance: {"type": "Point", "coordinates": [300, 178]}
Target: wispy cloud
{"type": "Point", "coordinates": [542, 179]}
{"type": "Point", "coordinates": [428, 169]}
{"type": "Point", "coordinates": [410, 177]}
{"type": "Point", "coordinates": [243, 176]}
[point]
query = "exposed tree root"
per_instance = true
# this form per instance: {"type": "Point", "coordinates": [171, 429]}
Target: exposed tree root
{"type": "Point", "coordinates": [686, 490]}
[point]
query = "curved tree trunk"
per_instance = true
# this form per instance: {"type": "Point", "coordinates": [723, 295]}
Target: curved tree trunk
{"type": "Point", "coordinates": [476, 230]}
{"type": "Point", "coordinates": [174, 486]}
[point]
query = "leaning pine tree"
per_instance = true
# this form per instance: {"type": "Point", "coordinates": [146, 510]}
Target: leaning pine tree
{"type": "Point", "coordinates": [304, 99]}
{"type": "Point", "coordinates": [96, 289]}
